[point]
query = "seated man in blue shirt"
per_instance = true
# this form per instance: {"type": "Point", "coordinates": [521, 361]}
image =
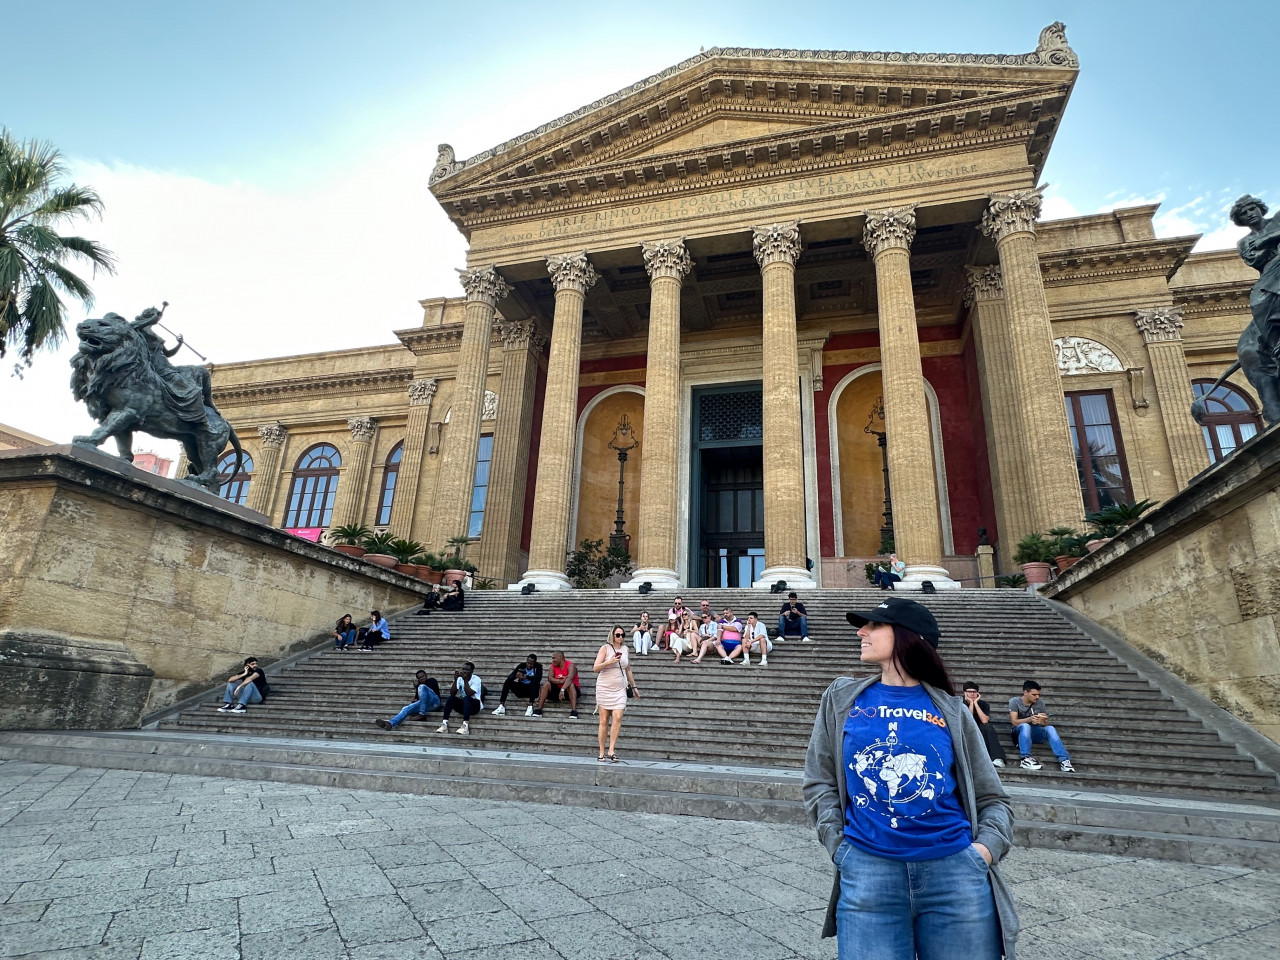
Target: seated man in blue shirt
{"type": "Point", "coordinates": [375, 633]}
{"type": "Point", "coordinates": [428, 700]}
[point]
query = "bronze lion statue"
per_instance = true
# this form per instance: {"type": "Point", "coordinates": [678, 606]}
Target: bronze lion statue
{"type": "Point", "coordinates": [123, 375]}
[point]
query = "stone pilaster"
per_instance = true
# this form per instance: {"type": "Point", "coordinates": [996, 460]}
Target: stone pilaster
{"type": "Point", "coordinates": [913, 478]}
{"type": "Point", "coordinates": [1053, 482]}
{"type": "Point", "coordinates": [266, 471]}
{"type": "Point", "coordinates": [349, 507]}
{"type": "Point", "coordinates": [405, 500]}
{"type": "Point", "coordinates": [668, 263]}
{"type": "Point", "coordinates": [572, 276]}
{"type": "Point", "coordinates": [484, 287]}
{"type": "Point", "coordinates": [1006, 433]}
{"type": "Point", "coordinates": [1161, 329]}
{"type": "Point", "coordinates": [776, 248]}
{"type": "Point", "coordinates": [522, 344]}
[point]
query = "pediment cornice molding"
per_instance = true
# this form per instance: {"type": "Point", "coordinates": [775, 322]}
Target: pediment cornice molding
{"type": "Point", "coordinates": [334, 384]}
{"type": "Point", "coordinates": [1160, 257]}
{"type": "Point", "coordinates": [445, 338]}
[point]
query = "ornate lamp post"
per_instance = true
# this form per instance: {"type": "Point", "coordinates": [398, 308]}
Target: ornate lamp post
{"type": "Point", "coordinates": [877, 417]}
{"type": "Point", "coordinates": [624, 441]}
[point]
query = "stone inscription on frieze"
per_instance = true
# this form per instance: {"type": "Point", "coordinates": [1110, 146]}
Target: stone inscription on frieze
{"type": "Point", "coordinates": [847, 183]}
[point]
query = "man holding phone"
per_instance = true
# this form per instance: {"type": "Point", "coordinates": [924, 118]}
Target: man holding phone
{"type": "Point", "coordinates": [793, 618]}
{"type": "Point", "coordinates": [467, 695]}
{"type": "Point", "coordinates": [1030, 718]}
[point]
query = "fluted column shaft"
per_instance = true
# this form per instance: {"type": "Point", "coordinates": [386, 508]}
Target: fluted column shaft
{"type": "Point", "coordinates": [1006, 433]}
{"type": "Point", "coordinates": [509, 472]}
{"type": "Point", "coordinates": [776, 248]}
{"type": "Point", "coordinates": [266, 471]}
{"type": "Point", "coordinates": [668, 263]}
{"type": "Point", "coordinates": [405, 500]}
{"type": "Point", "coordinates": [572, 275]}
{"type": "Point", "coordinates": [484, 289]}
{"type": "Point", "coordinates": [355, 480]}
{"type": "Point", "coordinates": [1053, 480]}
{"type": "Point", "coordinates": [1161, 329]}
{"type": "Point", "coordinates": [913, 478]}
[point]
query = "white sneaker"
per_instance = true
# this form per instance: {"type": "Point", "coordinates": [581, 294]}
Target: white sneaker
{"type": "Point", "coordinates": [1029, 763]}
{"type": "Point", "coordinates": [764, 661]}
{"type": "Point", "coordinates": [443, 728]}
{"type": "Point", "coordinates": [464, 729]}
{"type": "Point", "coordinates": [529, 710]}
{"type": "Point", "coordinates": [997, 763]}
{"type": "Point", "coordinates": [1066, 767]}
{"type": "Point", "coordinates": [805, 640]}
{"type": "Point", "coordinates": [499, 711]}
{"type": "Point", "coordinates": [746, 661]}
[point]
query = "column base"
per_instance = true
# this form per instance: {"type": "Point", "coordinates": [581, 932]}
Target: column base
{"type": "Point", "coordinates": [796, 577]}
{"type": "Point", "coordinates": [660, 579]}
{"type": "Point", "coordinates": [940, 577]}
{"type": "Point", "coordinates": [544, 580]}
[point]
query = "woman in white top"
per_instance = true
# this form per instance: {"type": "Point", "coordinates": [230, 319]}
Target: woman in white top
{"type": "Point", "coordinates": [755, 636]}
{"type": "Point", "coordinates": [642, 636]}
{"type": "Point", "coordinates": [613, 676]}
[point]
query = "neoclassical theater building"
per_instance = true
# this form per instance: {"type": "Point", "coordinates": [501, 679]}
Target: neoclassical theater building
{"type": "Point", "coordinates": [763, 260]}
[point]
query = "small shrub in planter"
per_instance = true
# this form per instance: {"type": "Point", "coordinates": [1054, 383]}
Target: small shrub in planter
{"type": "Point", "coordinates": [1033, 555]}
{"type": "Point", "coordinates": [349, 539]}
{"type": "Point", "coordinates": [379, 547]}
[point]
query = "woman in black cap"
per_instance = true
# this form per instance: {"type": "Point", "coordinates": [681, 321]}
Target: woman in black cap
{"type": "Point", "coordinates": [898, 784]}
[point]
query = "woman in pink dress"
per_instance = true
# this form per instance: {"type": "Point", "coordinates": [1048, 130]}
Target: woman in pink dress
{"type": "Point", "coordinates": [613, 676]}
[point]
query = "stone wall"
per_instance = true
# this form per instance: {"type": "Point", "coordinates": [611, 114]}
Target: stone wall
{"type": "Point", "coordinates": [113, 571]}
{"type": "Point", "coordinates": [1196, 584]}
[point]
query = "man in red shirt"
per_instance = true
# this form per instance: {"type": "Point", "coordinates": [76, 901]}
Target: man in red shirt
{"type": "Point", "coordinates": [562, 686]}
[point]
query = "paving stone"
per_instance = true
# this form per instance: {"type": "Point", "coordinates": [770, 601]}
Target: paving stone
{"type": "Point", "coordinates": [113, 950]}
{"type": "Point", "coordinates": [794, 930]}
{"type": "Point", "coordinates": [150, 921]}
{"type": "Point", "coordinates": [29, 937]}
{"type": "Point", "coordinates": [524, 950]}
{"type": "Point", "coordinates": [298, 882]}
{"type": "Point", "coordinates": [78, 886]}
{"type": "Point", "coordinates": [607, 877]}
{"type": "Point", "coordinates": [442, 901]}
{"type": "Point", "coordinates": [217, 943]}
{"type": "Point", "coordinates": [20, 912]}
{"type": "Point", "coordinates": [404, 950]}
{"type": "Point", "coordinates": [594, 936]}
{"type": "Point", "coordinates": [282, 910]}
{"type": "Point", "coordinates": [116, 900]}
{"type": "Point", "coordinates": [357, 880]}
{"type": "Point", "coordinates": [1250, 945]}
{"type": "Point", "coordinates": [375, 920]}
{"type": "Point", "coordinates": [422, 874]}
{"type": "Point", "coordinates": [475, 930]}
{"type": "Point", "coordinates": [547, 898]}
{"type": "Point", "coordinates": [711, 937]}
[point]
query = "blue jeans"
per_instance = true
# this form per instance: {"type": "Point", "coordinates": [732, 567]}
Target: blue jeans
{"type": "Point", "coordinates": [248, 695]}
{"type": "Point", "coordinates": [886, 579]}
{"type": "Point", "coordinates": [928, 909]}
{"type": "Point", "coordinates": [423, 705]}
{"type": "Point", "coordinates": [1029, 733]}
{"type": "Point", "coordinates": [347, 638]}
{"type": "Point", "coordinates": [783, 623]}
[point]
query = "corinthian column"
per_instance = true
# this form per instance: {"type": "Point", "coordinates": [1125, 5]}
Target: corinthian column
{"type": "Point", "coordinates": [668, 263]}
{"type": "Point", "coordinates": [355, 482]}
{"type": "Point", "coordinates": [777, 247]}
{"type": "Point", "coordinates": [405, 500]}
{"type": "Point", "coordinates": [1006, 434]}
{"type": "Point", "coordinates": [1161, 329]}
{"type": "Point", "coordinates": [484, 289]}
{"type": "Point", "coordinates": [913, 478]}
{"type": "Point", "coordinates": [266, 473]}
{"type": "Point", "coordinates": [522, 342]}
{"type": "Point", "coordinates": [572, 276]}
{"type": "Point", "coordinates": [1053, 482]}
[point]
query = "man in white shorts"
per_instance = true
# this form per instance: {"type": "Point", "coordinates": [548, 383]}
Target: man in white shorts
{"type": "Point", "coordinates": [708, 636]}
{"type": "Point", "coordinates": [755, 637]}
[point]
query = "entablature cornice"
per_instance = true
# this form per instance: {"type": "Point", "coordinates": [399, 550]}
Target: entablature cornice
{"type": "Point", "coordinates": [1160, 257]}
{"type": "Point", "coordinates": [1214, 299]}
{"type": "Point", "coordinates": [334, 384]}
{"type": "Point", "coordinates": [445, 338]}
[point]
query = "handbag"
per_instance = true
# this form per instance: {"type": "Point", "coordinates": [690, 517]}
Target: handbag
{"type": "Point", "coordinates": [631, 691]}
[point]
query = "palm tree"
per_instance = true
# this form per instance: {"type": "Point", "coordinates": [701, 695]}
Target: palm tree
{"type": "Point", "coordinates": [33, 255]}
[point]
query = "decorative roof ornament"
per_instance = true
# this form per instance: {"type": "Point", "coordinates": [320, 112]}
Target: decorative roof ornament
{"type": "Point", "coordinates": [889, 228]}
{"type": "Point", "coordinates": [666, 258]}
{"type": "Point", "coordinates": [1052, 51]}
{"type": "Point", "coordinates": [1010, 213]}
{"type": "Point", "coordinates": [1160, 324]}
{"type": "Point", "coordinates": [572, 271]}
{"type": "Point", "coordinates": [776, 243]}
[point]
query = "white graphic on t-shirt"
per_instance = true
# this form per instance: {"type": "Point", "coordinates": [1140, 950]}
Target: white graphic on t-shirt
{"type": "Point", "coordinates": [893, 778]}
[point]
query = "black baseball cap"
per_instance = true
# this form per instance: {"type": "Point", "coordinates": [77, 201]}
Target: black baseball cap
{"type": "Point", "coordinates": [905, 613]}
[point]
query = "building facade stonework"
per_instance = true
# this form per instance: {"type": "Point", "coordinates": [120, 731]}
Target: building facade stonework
{"type": "Point", "coordinates": [752, 256]}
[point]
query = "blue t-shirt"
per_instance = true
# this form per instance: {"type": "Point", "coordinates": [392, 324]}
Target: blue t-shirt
{"type": "Point", "coordinates": [902, 794]}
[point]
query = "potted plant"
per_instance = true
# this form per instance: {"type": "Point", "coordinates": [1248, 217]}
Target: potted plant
{"type": "Point", "coordinates": [1012, 580]}
{"type": "Point", "coordinates": [1032, 556]}
{"type": "Point", "coordinates": [1066, 547]}
{"type": "Point", "coordinates": [404, 551]}
{"type": "Point", "coordinates": [1111, 520]}
{"type": "Point", "coordinates": [349, 539]}
{"type": "Point", "coordinates": [457, 571]}
{"type": "Point", "coordinates": [425, 562]}
{"type": "Point", "coordinates": [440, 565]}
{"type": "Point", "coordinates": [379, 547]}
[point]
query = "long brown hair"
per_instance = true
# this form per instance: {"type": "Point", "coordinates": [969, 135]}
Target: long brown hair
{"type": "Point", "coordinates": [915, 657]}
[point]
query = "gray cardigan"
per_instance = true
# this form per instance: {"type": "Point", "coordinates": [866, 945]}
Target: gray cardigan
{"type": "Point", "coordinates": [981, 794]}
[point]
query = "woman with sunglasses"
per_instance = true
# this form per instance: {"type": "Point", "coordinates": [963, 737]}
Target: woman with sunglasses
{"type": "Point", "coordinates": [613, 676]}
{"type": "Point", "coordinates": [898, 784]}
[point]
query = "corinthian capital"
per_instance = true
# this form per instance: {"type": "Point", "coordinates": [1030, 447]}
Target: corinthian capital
{"type": "Point", "coordinates": [421, 392]}
{"type": "Point", "coordinates": [273, 434]}
{"type": "Point", "coordinates": [666, 258]}
{"type": "Point", "coordinates": [572, 271]}
{"type": "Point", "coordinates": [776, 243]}
{"type": "Point", "coordinates": [362, 429]}
{"type": "Point", "coordinates": [1009, 213]}
{"type": "Point", "coordinates": [889, 228]}
{"type": "Point", "coordinates": [983, 283]}
{"type": "Point", "coordinates": [520, 334]}
{"type": "Point", "coordinates": [484, 284]}
{"type": "Point", "coordinates": [1159, 324]}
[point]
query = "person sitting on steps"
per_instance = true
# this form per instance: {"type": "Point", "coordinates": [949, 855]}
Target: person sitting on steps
{"type": "Point", "coordinates": [455, 598]}
{"type": "Point", "coordinates": [247, 686]}
{"type": "Point", "coordinates": [344, 632]}
{"type": "Point", "coordinates": [980, 710]}
{"type": "Point", "coordinates": [563, 685]}
{"type": "Point", "coordinates": [467, 695]}
{"type": "Point", "coordinates": [886, 577]}
{"type": "Point", "coordinates": [708, 636]}
{"type": "Point", "coordinates": [755, 636]}
{"type": "Point", "coordinates": [729, 635]}
{"type": "Point", "coordinates": [793, 618]}
{"type": "Point", "coordinates": [683, 639]}
{"type": "Point", "coordinates": [428, 699]}
{"type": "Point", "coordinates": [525, 681]}
{"type": "Point", "coordinates": [642, 636]}
{"type": "Point", "coordinates": [430, 602]}
{"type": "Point", "coordinates": [375, 633]}
{"type": "Point", "coordinates": [1031, 725]}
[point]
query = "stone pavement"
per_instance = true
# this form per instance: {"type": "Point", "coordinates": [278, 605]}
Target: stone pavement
{"type": "Point", "coordinates": [118, 864]}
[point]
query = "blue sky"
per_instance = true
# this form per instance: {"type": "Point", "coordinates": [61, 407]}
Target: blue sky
{"type": "Point", "coordinates": [264, 164]}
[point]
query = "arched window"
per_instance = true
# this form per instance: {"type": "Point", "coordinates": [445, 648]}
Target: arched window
{"type": "Point", "coordinates": [235, 489]}
{"type": "Point", "coordinates": [389, 477]}
{"type": "Point", "coordinates": [315, 485]}
{"type": "Point", "coordinates": [1230, 420]}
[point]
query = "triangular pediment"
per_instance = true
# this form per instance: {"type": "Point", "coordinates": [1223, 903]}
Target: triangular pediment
{"type": "Point", "coordinates": [716, 128]}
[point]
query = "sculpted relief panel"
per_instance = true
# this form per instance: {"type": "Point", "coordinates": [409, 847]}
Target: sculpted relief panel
{"type": "Point", "coordinates": [1077, 355]}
